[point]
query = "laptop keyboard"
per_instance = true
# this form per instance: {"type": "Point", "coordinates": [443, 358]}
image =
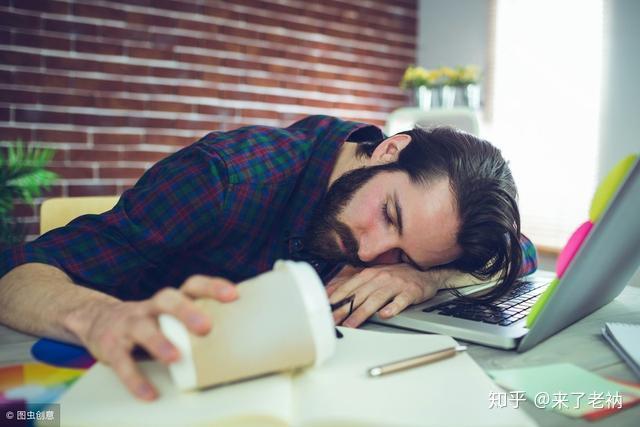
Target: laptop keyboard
{"type": "Point", "coordinates": [504, 311]}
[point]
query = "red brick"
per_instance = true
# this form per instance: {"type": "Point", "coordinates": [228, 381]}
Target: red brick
{"type": "Point", "coordinates": [72, 172]}
{"type": "Point", "coordinates": [18, 96]}
{"type": "Point", "coordinates": [43, 6]}
{"type": "Point", "coordinates": [62, 99]}
{"type": "Point", "coordinates": [42, 42]}
{"type": "Point", "coordinates": [20, 58]}
{"type": "Point", "coordinates": [198, 91]}
{"type": "Point", "coordinates": [23, 210]}
{"type": "Point", "coordinates": [5, 37]}
{"type": "Point", "coordinates": [101, 48]}
{"type": "Point", "coordinates": [119, 103]}
{"type": "Point", "coordinates": [143, 156]}
{"type": "Point", "coordinates": [17, 20]}
{"type": "Point", "coordinates": [263, 114]}
{"type": "Point", "coordinates": [175, 73]}
{"type": "Point", "coordinates": [195, 125]}
{"type": "Point", "coordinates": [117, 138]}
{"type": "Point", "coordinates": [6, 77]}
{"type": "Point", "coordinates": [120, 172]}
{"type": "Point", "coordinates": [41, 79]}
{"type": "Point", "coordinates": [15, 133]}
{"type": "Point", "coordinates": [149, 19]}
{"type": "Point", "coordinates": [70, 27]}
{"type": "Point", "coordinates": [92, 190]}
{"type": "Point", "coordinates": [98, 120]}
{"type": "Point", "coordinates": [50, 135]}
{"type": "Point", "coordinates": [151, 122]}
{"type": "Point", "coordinates": [56, 190]}
{"type": "Point", "coordinates": [167, 106]}
{"type": "Point", "coordinates": [94, 155]}
{"type": "Point", "coordinates": [215, 110]}
{"type": "Point", "coordinates": [100, 85]}
{"type": "Point", "coordinates": [125, 34]}
{"type": "Point", "coordinates": [180, 141]}
{"type": "Point", "coordinates": [99, 12]}
{"type": "Point", "coordinates": [142, 52]}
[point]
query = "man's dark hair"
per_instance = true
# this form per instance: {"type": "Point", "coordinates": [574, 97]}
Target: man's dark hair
{"type": "Point", "coordinates": [486, 197]}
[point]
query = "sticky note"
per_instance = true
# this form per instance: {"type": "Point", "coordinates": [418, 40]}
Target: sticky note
{"type": "Point", "coordinates": [609, 186]}
{"type": "Point", "coordinates": [542, 300]}
{"type": "Point", "coordinates": [577, 388]}
{"type": "Point", "coordinates": [571, 248]}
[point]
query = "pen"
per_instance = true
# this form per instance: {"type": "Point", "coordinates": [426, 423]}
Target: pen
{"type": "Point", "coordinates": [412, 362]}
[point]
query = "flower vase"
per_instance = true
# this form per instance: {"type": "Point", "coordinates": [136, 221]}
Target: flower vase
{"type": "Point", "coordinates": [472, 96]}
{"type": "Point", "coordinates": [448, 96]}
{"type": "Point", "coordinates": [422, 97]}
{"type": "Point", "coordinates": [436, 97]}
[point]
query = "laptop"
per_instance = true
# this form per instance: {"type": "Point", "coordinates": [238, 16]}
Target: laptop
{"type": "Point", "coordinates": [600, 270]}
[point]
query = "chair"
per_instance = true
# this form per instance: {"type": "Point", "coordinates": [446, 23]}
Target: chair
{"type": "Point", "coordinates": [59, 211]}
{"type": "Point", "coordinates": [406, 118]}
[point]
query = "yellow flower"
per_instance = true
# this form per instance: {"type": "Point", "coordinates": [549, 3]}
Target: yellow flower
{"type": "Point", "coordinates": [418, 76]}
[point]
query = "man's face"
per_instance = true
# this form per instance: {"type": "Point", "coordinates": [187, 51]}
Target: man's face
{"type": "Point", "coordinates": [372, 216]}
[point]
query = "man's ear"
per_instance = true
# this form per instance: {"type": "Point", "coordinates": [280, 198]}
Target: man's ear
{"type": "Point", "coordinates": [389, 149]}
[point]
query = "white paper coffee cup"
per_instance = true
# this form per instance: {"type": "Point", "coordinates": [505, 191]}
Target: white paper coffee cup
{"type": "Point", "coordinates": [282, 320]}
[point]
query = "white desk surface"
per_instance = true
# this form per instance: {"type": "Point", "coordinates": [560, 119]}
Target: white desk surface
{"type": "Point", "coordinates": [580, 344]}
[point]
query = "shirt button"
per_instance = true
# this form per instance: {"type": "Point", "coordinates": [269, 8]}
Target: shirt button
{"type": "Point", "coordinates": [297, 245]}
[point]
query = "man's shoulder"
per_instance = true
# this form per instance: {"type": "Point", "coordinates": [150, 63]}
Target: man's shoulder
{"type": "Point", "coordinates": [267, 154]}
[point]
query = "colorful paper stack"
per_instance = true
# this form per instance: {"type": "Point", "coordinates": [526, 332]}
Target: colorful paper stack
{"type": "Point", "coordinates": [31, 387]}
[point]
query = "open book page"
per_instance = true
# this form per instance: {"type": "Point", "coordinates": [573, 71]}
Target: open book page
{"type": "Point", "coordinates": [451, 392]}
{"type": "Point", "coordinates": [98, 399]}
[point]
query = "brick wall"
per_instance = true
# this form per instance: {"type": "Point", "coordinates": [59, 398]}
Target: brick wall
{"type": "Point", "coordinates": [115, 86]}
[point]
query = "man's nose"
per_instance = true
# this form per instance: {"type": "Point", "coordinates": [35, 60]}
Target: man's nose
{"type": "Point", "coordinates": [378, 252]}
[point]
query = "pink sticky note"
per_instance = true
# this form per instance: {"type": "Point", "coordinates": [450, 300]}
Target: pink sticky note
{"type": "Point", "coordinates": [572, 246]}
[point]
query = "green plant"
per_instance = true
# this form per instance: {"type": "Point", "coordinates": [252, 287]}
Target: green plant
{"type": "Point", "coordinates": [460, 76]}
{"type": "Point", "coordinates": [22, 177]}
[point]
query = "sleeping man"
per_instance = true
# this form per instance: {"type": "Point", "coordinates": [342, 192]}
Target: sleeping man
{"type": "Point", "coordinates": [388, 220]}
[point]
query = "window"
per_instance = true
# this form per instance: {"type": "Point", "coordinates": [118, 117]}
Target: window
{"type": "Point", "coordinates": [545, 109]}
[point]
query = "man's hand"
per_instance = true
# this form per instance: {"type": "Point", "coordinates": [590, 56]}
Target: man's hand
{"type": "Point", "coordinates": [116, 327]}
{"type": "Point", "coordinates": [385, 289]}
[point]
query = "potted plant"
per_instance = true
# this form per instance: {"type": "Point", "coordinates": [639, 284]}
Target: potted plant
{"type": "Point", "coordinates": [22, 177]}
{"type": "Point", "coordinates": [461, 87]}
{"type": "Point", "coordinates": [424, 84]}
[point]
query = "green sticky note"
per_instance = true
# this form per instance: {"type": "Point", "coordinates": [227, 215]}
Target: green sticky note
{"type": "Point", "coordinates": [565, 388]}
{"type": "Point", "coordinates": [542, 300]}
{"type": "Point", "coordinates": [609, 186]}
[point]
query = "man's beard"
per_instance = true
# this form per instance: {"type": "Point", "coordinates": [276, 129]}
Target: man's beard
{"type": "Point", "coordinates": [325, 225]}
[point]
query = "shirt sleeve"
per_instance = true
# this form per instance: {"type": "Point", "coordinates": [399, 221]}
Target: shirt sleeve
{"type": "Point", "coordinates": [529, 256]}
{"type": "Point", "coordinates": [177, 203]}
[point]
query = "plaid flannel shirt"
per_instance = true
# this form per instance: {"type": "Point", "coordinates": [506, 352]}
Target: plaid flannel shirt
{"type": "Point", "coordinates": [228, 205]}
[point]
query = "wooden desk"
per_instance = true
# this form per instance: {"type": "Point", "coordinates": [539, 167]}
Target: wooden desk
{"type": "Point", "coordinates": [580, 344]}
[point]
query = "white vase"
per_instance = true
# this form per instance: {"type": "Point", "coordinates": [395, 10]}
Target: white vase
{"type": "Point", "coordinates": [448, 96]}
{"type": "Point", "coordinates": [472, 96]}
{"type": "Point", "coordinates": [422, 96]}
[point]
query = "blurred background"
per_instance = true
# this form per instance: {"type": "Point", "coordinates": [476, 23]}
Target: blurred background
{"type": "Point", "coordinates": [114, 86]}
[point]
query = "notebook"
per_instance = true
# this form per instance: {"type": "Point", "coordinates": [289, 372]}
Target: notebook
{"type": "Point", "coordinates": [624, 338]}
{"type": "Point", "coordinates": [452, 392]}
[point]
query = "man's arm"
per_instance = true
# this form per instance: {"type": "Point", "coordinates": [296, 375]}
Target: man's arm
{"type": "Point", "coordinates": [389, 289]}
{"type": "Point", "coordinates": [42, 300]}
{"type": "Point", "coordinates": [175, 204]}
